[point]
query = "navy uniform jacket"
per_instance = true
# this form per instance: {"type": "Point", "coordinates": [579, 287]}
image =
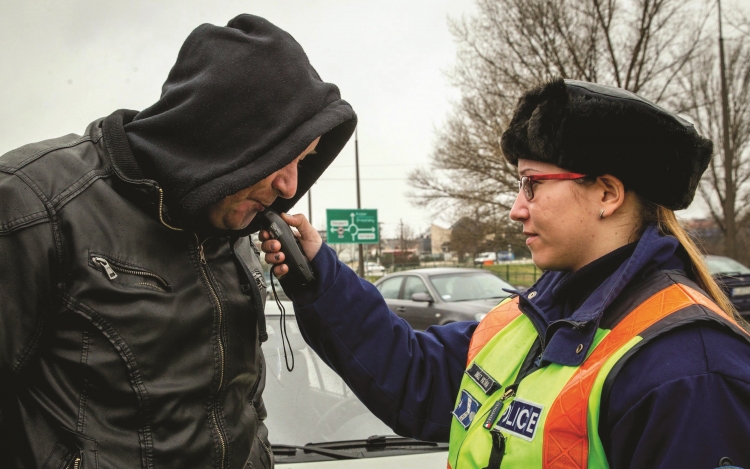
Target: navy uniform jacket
{"type": "Point", "coordinates": [682, 401]}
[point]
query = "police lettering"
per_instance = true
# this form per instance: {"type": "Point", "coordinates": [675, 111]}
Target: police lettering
{"type": "Point", "coordinates": [521, 419]}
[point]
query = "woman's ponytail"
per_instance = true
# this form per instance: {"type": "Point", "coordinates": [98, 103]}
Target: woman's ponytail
{"type": "Point", "coordinates": [668, 225]}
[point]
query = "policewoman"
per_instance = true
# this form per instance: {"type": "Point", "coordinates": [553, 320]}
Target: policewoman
{"type": "Point", "coordinates": [624, 354]}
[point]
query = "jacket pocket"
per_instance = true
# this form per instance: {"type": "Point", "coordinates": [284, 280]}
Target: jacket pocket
{"type": "Point", "coordinates": [128, 274]}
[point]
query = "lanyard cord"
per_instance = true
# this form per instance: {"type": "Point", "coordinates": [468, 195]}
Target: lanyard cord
{"type": "Point", "coordinates": [282, 325]}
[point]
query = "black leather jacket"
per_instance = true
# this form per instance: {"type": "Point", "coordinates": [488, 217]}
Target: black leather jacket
{"type": "Point", "coordinates": [123, 342]}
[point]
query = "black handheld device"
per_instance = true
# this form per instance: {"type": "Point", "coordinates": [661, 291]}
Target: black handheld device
{"type": "Point", "coordinates": [300, 270]}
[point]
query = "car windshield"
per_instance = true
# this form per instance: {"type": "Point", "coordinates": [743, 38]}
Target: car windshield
{"type": "Point", "coordinates": [724, 265]}
{"type": "Point", "coordinates": [311, 404]}
{"type": "Point", "coordinates": [467, 286]}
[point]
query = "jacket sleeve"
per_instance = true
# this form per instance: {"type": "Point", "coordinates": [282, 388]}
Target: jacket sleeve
{"type": "Point", "coordinates": [408, 379]}
{"type": "Point", "coordinates": [683, 400]}
{"type": "Point", "coordinates": [27, 265]}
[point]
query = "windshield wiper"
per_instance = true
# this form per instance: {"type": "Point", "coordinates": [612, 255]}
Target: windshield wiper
{"type": "Point", "coordinates": [374, 446]}
{"type": "Point", "coordinates": [729, 274]}
{"type": "Point", "coordinates": [291, 450]}
{"type": "Point", "coordinates": [380, 442]}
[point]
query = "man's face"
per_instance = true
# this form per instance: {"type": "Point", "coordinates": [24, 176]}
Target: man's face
{"type": "Point", "coordinates": [236, 211]}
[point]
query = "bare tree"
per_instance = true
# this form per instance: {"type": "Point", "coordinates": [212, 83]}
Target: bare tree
{"type": "Point", "coordinates": [406, 236]}
{"type": "Point", "coordinates": [510, 45]}
{"type": "Point", "coordinates": [726, 183]}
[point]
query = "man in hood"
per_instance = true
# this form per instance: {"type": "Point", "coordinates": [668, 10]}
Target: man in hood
{"type": "Point", "coordinates": [131, 318]}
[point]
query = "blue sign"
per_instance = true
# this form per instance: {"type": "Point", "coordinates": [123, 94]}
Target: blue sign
{"type": "Point", "coordinates": [521, 419]}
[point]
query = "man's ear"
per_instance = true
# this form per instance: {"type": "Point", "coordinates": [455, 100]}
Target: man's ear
{"type": "Point", "coordinates": [612, 192]}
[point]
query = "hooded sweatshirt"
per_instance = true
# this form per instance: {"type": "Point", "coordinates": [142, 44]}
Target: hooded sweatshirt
{"type": "Point", "coordinates": [240, 103]}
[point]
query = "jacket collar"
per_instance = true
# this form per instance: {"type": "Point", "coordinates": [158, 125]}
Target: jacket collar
{"type": "Point", "coordinates": [563, 337]}
{"type": "Point", "coordinates": [118, 147]}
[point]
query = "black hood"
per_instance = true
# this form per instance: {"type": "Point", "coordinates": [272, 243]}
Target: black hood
{"type": "Point", "coordinates": [240, 103]}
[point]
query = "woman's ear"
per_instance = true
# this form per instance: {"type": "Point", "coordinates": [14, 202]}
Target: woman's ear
{"type": "Point", "coordinates": [612, 192]}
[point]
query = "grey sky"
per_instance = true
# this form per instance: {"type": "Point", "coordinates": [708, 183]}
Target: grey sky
{"type": "Point", "coordinates": [68, 63]}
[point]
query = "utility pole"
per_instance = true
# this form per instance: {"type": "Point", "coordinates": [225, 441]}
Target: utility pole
{"type": "Point", "coordinates": [730, 228]}
{"type": "Point", "coordinates": [361, 267]}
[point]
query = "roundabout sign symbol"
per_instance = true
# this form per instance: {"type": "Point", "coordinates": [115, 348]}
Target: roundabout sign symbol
{"type": "Point", "coordinates": [352, 226]}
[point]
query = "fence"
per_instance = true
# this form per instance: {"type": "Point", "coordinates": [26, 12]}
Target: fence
{"type": "Point", "coordinates": [516, 273]}
{"type": "Point", "coordinates": [522, 275]}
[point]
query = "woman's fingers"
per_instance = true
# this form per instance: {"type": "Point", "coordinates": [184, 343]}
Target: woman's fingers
{"type": "Point", "coordinates": [308, 236]}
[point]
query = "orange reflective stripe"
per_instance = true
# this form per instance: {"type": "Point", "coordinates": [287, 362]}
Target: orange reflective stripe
{"type": "Point", "coordinates": [495, 321]}
{"type": "Point", "coordinates": [566, 441]}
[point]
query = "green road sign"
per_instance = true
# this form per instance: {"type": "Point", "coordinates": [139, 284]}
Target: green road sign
{"type": "Point", "coordinates": [352, 226]}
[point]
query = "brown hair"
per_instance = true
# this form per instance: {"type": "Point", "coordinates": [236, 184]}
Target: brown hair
{"type": "Point", "coordinates": [667, 223]}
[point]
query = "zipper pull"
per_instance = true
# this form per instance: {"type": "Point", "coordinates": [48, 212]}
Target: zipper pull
{"type": "Point", "coordinates": [107, 268]}
{"type": "Point", "coordinates": [510, 391]}
{"type": "Point", "coordinates": [202, 256]}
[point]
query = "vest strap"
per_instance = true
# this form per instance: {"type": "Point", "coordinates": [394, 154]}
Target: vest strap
{"type": "Point", "coordinates": [495, 321]}
{"type": "Point", "coordinates": [498, 450]}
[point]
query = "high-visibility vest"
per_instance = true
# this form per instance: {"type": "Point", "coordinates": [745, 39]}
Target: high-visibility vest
{"type": "Point", "coordinates": [550, 418]}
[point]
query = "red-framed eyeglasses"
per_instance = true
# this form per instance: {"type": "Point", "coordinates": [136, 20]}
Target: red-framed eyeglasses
{"type": "Point", "coordinates": [526, 182]}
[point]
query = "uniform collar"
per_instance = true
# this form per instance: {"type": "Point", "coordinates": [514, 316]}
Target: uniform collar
{"type": "Point", "coordinates": [568, 340]}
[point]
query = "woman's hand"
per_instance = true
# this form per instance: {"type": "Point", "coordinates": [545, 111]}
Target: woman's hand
{"type": "Point", "coordinates": [305, 233]}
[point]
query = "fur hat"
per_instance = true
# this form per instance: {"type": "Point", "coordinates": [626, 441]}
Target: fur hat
{"type": "Point", "coordinates": [595, 130]}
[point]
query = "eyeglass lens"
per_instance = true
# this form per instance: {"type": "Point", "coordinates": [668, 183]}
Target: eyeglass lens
{"type": "Point", "coordinates": [525, 185]}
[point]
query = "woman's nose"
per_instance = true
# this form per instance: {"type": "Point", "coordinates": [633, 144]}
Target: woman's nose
{"type": "Point", "coordinates": [520, 210]}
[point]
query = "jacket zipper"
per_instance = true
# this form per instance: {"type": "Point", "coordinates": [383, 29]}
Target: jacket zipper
{"type": "Point", "coordinates": [260, 281]}
{"type": "Point", "coordinates": [75, 463]}
{"type": "Point", "coordinates": [111, 268]}
{"type": "Point", "coordinates": [215, 412]}
{"type": "Point", "coordinates": [268, 451]}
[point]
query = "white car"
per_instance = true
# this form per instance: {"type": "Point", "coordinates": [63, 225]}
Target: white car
{"type": "Point", "coordinates": [484, 257]}
{"type": "Point", "coordinates": [373, 268]}
{"type": "Point", "coordinates": [316, 422]}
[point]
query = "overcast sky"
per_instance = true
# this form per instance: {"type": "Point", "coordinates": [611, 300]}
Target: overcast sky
{"type": "Point", "coordinates": [66, 63]}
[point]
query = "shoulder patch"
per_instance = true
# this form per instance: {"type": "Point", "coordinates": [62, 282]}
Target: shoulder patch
{"type": "Point", "coordinates": [466, 409]}
{"type": "Point", "coordinates": [521, 418]}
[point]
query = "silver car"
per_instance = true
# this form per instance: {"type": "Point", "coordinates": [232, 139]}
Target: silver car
{"type": "Point", "coordinates": [435, 296]}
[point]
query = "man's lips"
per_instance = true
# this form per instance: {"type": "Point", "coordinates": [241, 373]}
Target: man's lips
{"type": "Point", "coordinates": [530, 237]}
{"type": "Point", "coordinates": [260, 204]}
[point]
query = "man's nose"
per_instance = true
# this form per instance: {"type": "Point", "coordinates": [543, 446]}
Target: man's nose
{"type": "Point", "coordinates": [284, 182]}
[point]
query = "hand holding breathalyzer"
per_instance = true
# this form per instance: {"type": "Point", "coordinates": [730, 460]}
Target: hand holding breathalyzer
{"type": "Point", "coordinates": [281, 248]}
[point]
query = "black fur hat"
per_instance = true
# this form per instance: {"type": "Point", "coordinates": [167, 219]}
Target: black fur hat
{"type": "Point", "coordinates": [595, 129]}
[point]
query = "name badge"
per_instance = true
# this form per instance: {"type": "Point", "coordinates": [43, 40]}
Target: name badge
{"type": "Point", "coordinates": [483, 379]}
{"type": "Point", "coordinates": [466, 409]}
{"type": "Point", "coordinates": [521, 418]}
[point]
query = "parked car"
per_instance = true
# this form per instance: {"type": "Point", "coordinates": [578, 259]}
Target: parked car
{"type": "Point", "coordinates": [315, 421]}
{"type": "Point", "coordinates": [373, 268]}
{"type": "Point", "coordinates": [426, 297]}
{"type": "Point", "coordinates": [734, 278]}
{"type": "Point", "coordinates": [485, 257]}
